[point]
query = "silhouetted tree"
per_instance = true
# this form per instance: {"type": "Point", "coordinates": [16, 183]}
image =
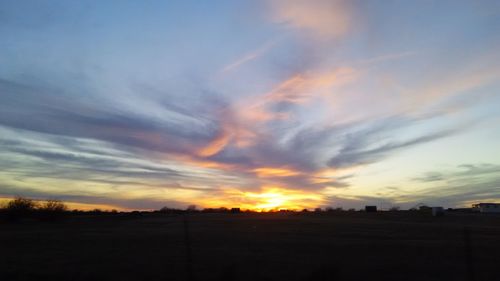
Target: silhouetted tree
{"type": "Point", "coordinates": [20, 207]}
{"type": "Point", "coordinates": [165, 210]}
{"type": "Point", "coordinates": [52, 209]}
{"type": "Point", "coordinates": [21, 204]}
{"type": "Point", "coordinates": [394, 208]}
{"type": "Point", "coordinates": [191, 208]}
{"type": "Point", "coordinates": [52, 205]}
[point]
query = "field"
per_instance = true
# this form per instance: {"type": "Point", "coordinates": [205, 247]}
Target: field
{"type": "Point", "coordinates": [253, 246]}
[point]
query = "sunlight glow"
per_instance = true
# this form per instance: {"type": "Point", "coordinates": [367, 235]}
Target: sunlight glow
{"type": "Point", "coordinates": [270, 198]}
{"type": "Point", "coordinates": [274, 198]}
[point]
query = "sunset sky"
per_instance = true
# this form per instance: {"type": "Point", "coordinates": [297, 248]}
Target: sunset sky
{"type": "Point", "coordinates": [251, 104]}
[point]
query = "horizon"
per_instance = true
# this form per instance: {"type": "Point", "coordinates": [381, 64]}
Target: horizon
{"type": "Point", "coordinates": [257, 105]}
{"type": "Point", "coordinates": [82, 207]}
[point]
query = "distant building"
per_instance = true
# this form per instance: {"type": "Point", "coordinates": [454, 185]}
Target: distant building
{"type": "Point", "coordinates": [371, 209]}
{"type": "Point", "coordinates": [424, 208]}
{"type": "Point", "coordinates": [437, 211]}
{"type": "Point", "coordinates": [486, 207]}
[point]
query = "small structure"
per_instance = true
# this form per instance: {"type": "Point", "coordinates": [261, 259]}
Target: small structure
{"type": "Point", "coordinates": [486, 207]}
{"type": "Point", "coordinates": [425, 208]}
{"type": "Point", "coordinates": [370, 209]}
{"type": "Point", "coordinates": [235, 210]}
{"type": "Point", "coordinates": [437, 211]}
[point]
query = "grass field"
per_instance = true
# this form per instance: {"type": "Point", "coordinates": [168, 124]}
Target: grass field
{"type": "Point", "coordinates": [253, 246]}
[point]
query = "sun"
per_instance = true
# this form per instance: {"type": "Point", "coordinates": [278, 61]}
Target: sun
{"type": "Point", "coordinates": [269, 201]}
{"type": "Point", "coordinates": [267, 198]}
{"type": "Point", "coordinates": [275, 198]}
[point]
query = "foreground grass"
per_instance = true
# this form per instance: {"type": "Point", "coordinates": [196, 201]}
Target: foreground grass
{"type": "Point", "coordinates": [273, 246]}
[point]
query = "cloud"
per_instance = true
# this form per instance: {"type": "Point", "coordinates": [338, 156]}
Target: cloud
{"type": "Point", "coordinates": [301, 88]}
{"type": "Point", "coordinates": [225, 148]}
{"type": "Point", "coordinates": [361, 148]}
{"type": "Point", "coordinates": [429, 177]}
{"type": "Point", "coordinates": [249, 56]}
{"type": "Point", "coordinates": [461, 186]}
{"type": "Point", "coordinates": [292, 94]}
{"type": "Point", "coordinates": [47, 110]}
{"type": "Point", "coordinates": [324, 19]}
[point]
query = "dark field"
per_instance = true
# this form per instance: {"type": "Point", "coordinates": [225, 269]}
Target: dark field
{"type": "Point", "coordinates": [274, 246]}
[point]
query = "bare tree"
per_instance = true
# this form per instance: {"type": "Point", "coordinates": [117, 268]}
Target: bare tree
{"type": "Point", "coordinates": [21, 204]}
{"type": "Point", "coordinates": [20, 207]}
{"type": "Point", "coordinates": [53, 205]}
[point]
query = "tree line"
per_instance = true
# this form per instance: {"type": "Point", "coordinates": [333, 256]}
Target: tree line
{"type": "Point", "coordinates": [21, 207]}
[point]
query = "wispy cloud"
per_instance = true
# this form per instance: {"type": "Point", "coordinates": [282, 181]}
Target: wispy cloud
{"type": "Point", "coordinates": [460, 186]}
{"type": "Point", "coordinates": [355, 153]}
{"type": "Point", "coordinates": [250, 56]}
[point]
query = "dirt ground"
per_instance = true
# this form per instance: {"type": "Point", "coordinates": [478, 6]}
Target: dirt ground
{"type": "Point", "coordinates": [252, 246]}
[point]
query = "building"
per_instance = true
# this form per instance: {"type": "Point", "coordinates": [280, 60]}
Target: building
{"type": "Point", "coordinates": [371, 209]}
{"type": "Point", "coordinates": [486, 207]}
{"type": "Point", "coordinates": [437, 211]}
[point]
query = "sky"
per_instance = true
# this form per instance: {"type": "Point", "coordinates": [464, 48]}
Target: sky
{"type": "Point", "coordinates": [260, 105]}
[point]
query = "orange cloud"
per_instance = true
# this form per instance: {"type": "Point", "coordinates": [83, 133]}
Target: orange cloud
{"type": "Point", "coordinates": [325, 19]}
{"type": "Point", "coordinates": [301, 88]}
{"type": "Point", "coordinates": [216, 145]}
{"type": "Point", "coordinates": [275, 172]}
{"type": "Point", "coordinates": [298, 89]}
